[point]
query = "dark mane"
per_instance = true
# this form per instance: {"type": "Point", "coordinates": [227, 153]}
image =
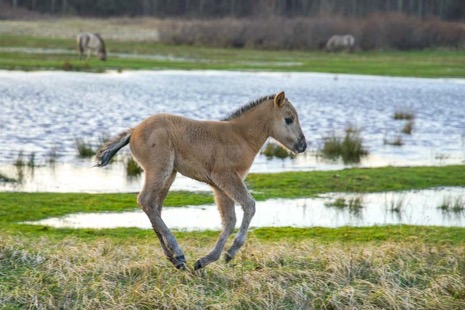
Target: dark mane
{"type": "Point", "coordinates": [247, 107]}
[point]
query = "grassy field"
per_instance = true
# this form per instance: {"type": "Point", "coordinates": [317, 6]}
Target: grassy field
{"type": "Point", "coordinates": [390, 267]}
{"type": "Point", "coordinates": [104, 273]}
{"type": "Point", "coordinates": [20, 52]}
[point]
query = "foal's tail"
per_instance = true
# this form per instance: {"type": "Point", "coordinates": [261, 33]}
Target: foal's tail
{"type": "Point", "coordinates": [110, 148]}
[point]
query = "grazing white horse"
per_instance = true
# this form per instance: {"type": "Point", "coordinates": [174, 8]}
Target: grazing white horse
{"type": "Point", "coordinates": [341, 43]}
{"type": "Point", "coordinates": [91, 42]}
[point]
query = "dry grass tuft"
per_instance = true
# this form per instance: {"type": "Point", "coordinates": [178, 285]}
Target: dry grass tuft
{"type": "Point", "coordinates": [97, 274]}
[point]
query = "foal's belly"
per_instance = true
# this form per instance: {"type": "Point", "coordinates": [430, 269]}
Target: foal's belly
{"type": "Point", "coordinates": [203, 172]}
{"type": "Point", "coordinates": [193, 172]}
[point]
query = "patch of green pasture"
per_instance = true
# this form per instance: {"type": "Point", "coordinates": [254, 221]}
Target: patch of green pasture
{"type": "Point", "coordinates": [17, 207]}
{"type": "Point", "coordinates": [428, 63]}
{"type": "Point", "coordinates": [308, 184]}
{"type": "Point", "coordinates": [36, 42]}
{"type": "Point", "coordinates": [396, 233]}
{"type": "Point", "coordinates": [391, 233]}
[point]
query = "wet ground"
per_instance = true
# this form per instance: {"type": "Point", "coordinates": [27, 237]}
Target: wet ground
{"type": "Point", "coordinates": [436, 207]}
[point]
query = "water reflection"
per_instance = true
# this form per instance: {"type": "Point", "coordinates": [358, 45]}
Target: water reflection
{"type": "Point", "coordinates": [412, 208]}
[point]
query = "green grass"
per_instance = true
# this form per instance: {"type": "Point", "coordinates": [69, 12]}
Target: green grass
{"type": "Point", "coordinates": [84, 148]}
{"type": "Point", "coordinates": [430, 63]}
{"type": "Point", "coordinates": [349, 148]}
{"type": "Point", "coordinates": [17, 207]}
{"type": "Point", "coordinates": [308, 184]}
{"type": "Point", "coordinates": [291, 268]}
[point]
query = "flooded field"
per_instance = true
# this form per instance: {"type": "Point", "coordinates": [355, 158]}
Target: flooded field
{"type": "Point", "coordinates": [43, 113]}
{"type": "Point", "coordinates": [436, 207]}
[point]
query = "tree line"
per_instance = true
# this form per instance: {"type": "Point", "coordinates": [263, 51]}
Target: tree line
{"type": "Point", "coordinates": [445, 9]}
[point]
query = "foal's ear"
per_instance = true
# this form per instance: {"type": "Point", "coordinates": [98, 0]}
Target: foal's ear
{"type": "Point", "coordinates": [279, 99]}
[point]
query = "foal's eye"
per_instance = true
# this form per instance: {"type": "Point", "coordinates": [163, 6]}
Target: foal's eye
{"type": "Point", "coordinates": [289, 120]}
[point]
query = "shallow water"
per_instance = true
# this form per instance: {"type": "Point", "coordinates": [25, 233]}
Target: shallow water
{"type": "Point", "coordinates": [412, 208]}
{"type": "Point", "coordinates": [42, 113]}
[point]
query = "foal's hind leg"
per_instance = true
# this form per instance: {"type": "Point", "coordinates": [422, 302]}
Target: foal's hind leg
{"type": "Point", "coordinates": [159, 204]}
{"type": "Point", "coordinates": [151, 200]}
{"type": "Point", "coordinates": [228, 221]}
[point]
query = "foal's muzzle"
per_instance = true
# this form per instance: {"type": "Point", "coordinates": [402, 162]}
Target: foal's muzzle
{"type": "Point", "coordinates": [301, 145]}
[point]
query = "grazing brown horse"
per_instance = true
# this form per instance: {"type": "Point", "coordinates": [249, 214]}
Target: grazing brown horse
{"type": "Point", "coordinates": [219, 153]}
{"type": "Point", "coordinates": [91, 42]}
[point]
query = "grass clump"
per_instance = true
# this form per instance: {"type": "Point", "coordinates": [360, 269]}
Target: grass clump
{"type": "Point", "coordinates": [339, 202]}
{"type": "Point", "coordinates": [455, 205]}
{"type": "Point", "coordinates": [354, 204]}
{"type": "Point", "coordinates": [396, 141]}
{"type": "Point", "coordinates": [5, 178]}
{"type": "Point", "coordinates": [20, 162]}
{"type": "Point", "coordinates": [132, 167]}
{"type": "Point", "coordinates": [84, 148]}
{"type": "Point", "coordinates": [396, 205]}
{"type": "Point", "coordinates": [408, 127]}
{"type": "Point", "coordinates": [403, 115]}
{"type": "Point", "coordinates": [274, 150]}
{"type": "Point", "coordinates": [349, 148]}
{"type": "Point", "coordinates": [52, 155]}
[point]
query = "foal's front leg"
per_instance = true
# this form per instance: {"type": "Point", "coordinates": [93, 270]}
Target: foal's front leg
{"type": "Point", "coordinates": [233, 186]}
{"type": "Point", "coordinates": [228, 221]}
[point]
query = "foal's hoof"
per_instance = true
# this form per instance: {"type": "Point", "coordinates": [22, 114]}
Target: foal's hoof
{"type": "Point", "coordinates": [198, 265]}
{"type": "Point", "coordinates": [227, 257]}
{"type": "Point", "coordinates": [179, 262]}
{"type": "Point", "coordinates": [181, 266]}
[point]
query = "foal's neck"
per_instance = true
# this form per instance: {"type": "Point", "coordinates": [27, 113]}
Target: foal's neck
{"type": "Point", "coordinates": [255, 126]}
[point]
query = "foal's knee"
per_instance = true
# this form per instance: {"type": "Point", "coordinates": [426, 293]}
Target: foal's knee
{"type": "Point", "coordinates": [230, 225]}
{"type": "Point", "coordinates": [144, 201]}
{"type": "Point", "coordinates": [249, 209]}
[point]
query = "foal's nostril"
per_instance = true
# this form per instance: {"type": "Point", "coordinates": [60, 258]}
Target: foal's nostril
{"type": "Point", "coordinates": [303, 143]}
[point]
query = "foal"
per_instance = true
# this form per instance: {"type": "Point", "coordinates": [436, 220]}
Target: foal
{"type": "Point", "coordinates": [219, 153]}
{"type": "Point", "coordinates": [91, 42]}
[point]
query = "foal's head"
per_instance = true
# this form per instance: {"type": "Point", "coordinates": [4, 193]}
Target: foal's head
{"type": "Point", "coordinates": [285, 127]}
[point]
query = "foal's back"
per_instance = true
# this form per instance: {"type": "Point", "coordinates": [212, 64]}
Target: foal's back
{"type": "Point", "coordinates": [192, 147]}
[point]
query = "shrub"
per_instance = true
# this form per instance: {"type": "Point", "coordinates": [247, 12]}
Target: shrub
{"type": "Point", "coordinates": [376, 31]}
